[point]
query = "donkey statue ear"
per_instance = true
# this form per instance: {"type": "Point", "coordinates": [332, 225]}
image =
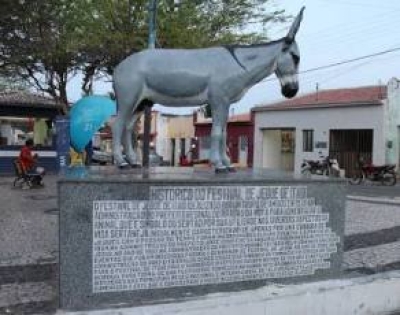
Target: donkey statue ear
{"type": "Point", "coordinates": [295, 27]}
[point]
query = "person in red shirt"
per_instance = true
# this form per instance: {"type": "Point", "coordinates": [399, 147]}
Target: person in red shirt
{"type": "Point", "coordinates": [28, 161]}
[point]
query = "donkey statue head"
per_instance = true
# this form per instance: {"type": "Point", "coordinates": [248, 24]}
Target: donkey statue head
{"type": "Point", "coordinates": [288, 62]}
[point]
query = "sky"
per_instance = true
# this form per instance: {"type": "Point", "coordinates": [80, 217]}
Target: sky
{"type": "Point", "coordinates": [332, 31]}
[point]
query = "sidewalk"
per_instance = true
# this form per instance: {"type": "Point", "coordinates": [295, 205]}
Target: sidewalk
{"type": "Point", "coordinates": [28, 223]}
{"type": "Point", "coordinates": [29, 243]}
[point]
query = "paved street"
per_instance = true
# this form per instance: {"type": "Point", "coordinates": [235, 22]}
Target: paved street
{"type": "Point", "coordinates": [376, 190]}
{"type": "Point", "coordinates": [29, 242]}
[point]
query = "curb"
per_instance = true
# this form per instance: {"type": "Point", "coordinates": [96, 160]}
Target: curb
{"type": "Point", "coordinates": [376, 294]}
{"type": "Point", "coordinates": [377, 200]}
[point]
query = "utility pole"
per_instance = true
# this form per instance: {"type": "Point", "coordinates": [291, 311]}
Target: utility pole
{"type": "Point", "coordinates": [147, 108]}
{"type": "Point", "coordinates": [152, 23]}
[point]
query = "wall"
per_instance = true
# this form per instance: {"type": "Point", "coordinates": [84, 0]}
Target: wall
{"type": "Point", "coordinates": [392, 122]}
{"type": "Point", "coordinates": [6, 132]}
{"type": "Point", "coordinates": [321, 120]}
{"type": "Point", "coordinates": [10, 127]}
{"type": "Point", "coordinates": [47, 159]}
{"type": "Point", "coordinates": [179, 127]}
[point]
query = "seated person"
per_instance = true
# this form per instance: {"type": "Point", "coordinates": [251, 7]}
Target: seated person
{"type": "Point", "coordinates": [28, 162]}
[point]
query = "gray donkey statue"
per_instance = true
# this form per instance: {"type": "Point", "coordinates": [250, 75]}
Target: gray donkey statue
{"type": "Point", "coordinates": [218, 76]}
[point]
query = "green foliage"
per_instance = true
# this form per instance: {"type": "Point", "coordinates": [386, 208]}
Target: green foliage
{"type": "Point", "coordinates": [203, 23]}
{"type": "Point", "coordinates": [33, 46]}
{"type": "Point", "coordinates": [47, 42]}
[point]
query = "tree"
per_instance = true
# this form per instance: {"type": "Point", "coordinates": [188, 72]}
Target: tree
{"type": "Point", "coordinates": [203, 23]}
{"type": "Point", "coordinates": [34, 45]}
{"type": "Point", "coordinates": [46, 43]}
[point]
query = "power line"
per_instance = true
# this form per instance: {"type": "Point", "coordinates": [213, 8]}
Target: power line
{"type": "Point", "coordinates": [351, 69]}
{"type": "Point", "coordinates": [354, 26]}
{"type": "Point", "coordinates": [375, 31]}
{"type": "Point", "coordinates": [363, 4]}
{"type": "Point", "coordinates": [364, 33]}
{"type": "Point", "coordinates": [336, 64]}
{"type": "Point", "coordinates": [384, 52]}
{"type": "Point", "coordinates": [355, 67]}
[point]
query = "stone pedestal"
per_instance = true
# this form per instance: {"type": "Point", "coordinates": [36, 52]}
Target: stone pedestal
{"type": "Point", "coordinates": [141, 237]}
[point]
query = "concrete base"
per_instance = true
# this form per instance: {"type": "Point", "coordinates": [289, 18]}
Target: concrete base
{"type": "Point", "coordinates": [243, 248]}
{"type": "Point", "coordinates": [377, 294]}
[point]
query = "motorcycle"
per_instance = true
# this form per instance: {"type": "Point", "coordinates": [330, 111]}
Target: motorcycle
{"type": "Point", "coordinates": [368, 172]}
{"type": "Point", "coordinates": [324, 166]}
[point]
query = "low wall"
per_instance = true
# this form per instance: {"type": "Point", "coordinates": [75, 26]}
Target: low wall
{"type": "Point", "coordinates": [47, 159]}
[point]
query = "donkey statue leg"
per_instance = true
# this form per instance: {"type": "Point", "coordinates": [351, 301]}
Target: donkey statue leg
{"type": "Point", "coordinates": [129, 138]}
{"type": "Point", "coordinates": [226, 161]}
{"type": "Point", "coordinates": [219, 110]}
{"type": "Point", "coordinates": [117, 131]}
{"type": "Point", "coordinates": [126, 104]}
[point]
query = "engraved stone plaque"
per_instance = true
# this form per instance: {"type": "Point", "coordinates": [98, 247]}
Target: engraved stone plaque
{"type": "Point", "coordinates": [184, 236]}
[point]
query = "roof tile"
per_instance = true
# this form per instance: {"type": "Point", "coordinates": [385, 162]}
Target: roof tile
{"type": "Point", "coordinates": [332, 98]}
{"type": "Point", "coordinates": [21, 98]}
{"type": "Point", "coordinates": [246, 117]}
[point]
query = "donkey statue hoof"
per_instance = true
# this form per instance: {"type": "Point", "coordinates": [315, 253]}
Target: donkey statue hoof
{"type": "Point", "coordinates": [221, 170]}
{"type": "Point", "coordinates": [231, 169]}
{"type": "Point", "coordinates": [123, 165]}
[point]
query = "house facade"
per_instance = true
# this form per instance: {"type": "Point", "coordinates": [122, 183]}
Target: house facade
{"type": "Point", "coordinates": [348, 124]}
{"type": "Point", "coordinates": [174, 136]}
{"type": "Point", "coordinates": [240, 135]}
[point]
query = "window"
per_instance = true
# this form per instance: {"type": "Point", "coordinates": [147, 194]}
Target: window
{"type": "Point", "coordinates": [308, 140]}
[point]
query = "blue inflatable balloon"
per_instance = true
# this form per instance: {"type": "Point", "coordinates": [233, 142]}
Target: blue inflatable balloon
{"type": "Point", "coordinates": [87, 116]}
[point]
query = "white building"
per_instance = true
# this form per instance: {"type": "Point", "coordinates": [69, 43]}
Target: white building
{"type": "Point", "coordinates": [347, 123]}
{"type": "Point", "coordinates": [174, 136]}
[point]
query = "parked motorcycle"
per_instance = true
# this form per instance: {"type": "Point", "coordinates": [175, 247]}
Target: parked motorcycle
{"type": "Point", "coordinates": [372, 173]}
{"type": "Point", "coordinates": [324, 166]}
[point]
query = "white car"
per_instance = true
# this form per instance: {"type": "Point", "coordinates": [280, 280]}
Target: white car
{"type": "Point", "coordinates": [101, 157]}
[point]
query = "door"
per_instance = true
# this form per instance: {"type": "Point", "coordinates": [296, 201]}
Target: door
{"type": "Point", "coordinates": [349, 146]}
{"type": "Point", "coordinates": [243, 150]}
{"type": "Point", "coordinates": [279, 149]}
{"type": "Point", "coordinates": [173, 152]}
{"type": "Point", "coordinates": [287, 150]}
{"type": "Point", "coordinates": [271, 149]}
